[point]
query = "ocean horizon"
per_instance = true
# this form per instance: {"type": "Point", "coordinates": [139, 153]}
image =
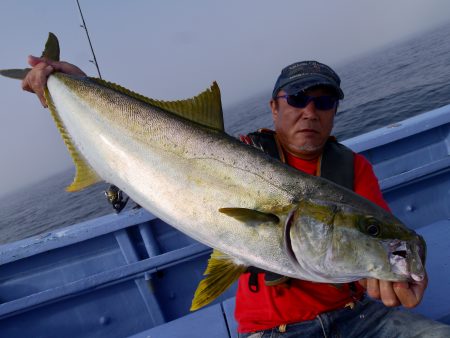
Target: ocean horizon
{"type": "Point", "coordinates": [397, 82]}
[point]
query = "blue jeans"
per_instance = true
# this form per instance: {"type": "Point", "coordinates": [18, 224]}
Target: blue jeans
{"type": "Point", "coordinates": [368, 318]}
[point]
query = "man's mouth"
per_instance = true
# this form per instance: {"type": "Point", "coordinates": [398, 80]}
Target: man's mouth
{"type": "Point", "coordinates": [307, 130]}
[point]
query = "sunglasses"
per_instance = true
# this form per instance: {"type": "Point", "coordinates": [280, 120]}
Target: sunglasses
{"type": "Point", "coordinates": [301, 100]}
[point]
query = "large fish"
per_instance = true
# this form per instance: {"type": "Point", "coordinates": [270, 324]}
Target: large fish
{"type": "Point", "coordinates": [175, 160]}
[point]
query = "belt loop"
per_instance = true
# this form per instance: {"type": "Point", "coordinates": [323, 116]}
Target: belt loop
{"type": "Point", "coordinates": [282, 328]}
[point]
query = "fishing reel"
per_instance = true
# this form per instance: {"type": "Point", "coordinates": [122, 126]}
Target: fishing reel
{"type": "Point", "coordinates": [115, 196]}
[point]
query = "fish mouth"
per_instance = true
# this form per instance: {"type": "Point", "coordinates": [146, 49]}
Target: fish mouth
{"type": "Point", "coordinates": [406, 259]}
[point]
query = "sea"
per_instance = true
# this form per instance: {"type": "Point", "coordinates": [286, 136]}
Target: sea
{"type": "Point", "coordinates": [386, 86]}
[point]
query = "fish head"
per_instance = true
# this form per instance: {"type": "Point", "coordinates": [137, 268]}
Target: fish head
{"type": "Point", "coordinates": [339, 243]}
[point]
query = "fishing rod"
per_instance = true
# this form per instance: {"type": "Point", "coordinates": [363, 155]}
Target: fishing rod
{"type": "Point", "coordinates": [113, 194]}
{"type": "Point", "coordinates": [89, 40]}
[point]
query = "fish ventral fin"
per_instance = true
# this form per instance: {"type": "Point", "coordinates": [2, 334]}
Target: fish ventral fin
{"type": "Point", "coordinates": [84, 174]}
{"type": "Point", "coordinates": [250, 216]}
{"type": "Point", "coordinates": [204, 109]}
{"type": "Point", "coordinates": [221, 272]}
{"type": "Point", "coordinates": [51, 52]}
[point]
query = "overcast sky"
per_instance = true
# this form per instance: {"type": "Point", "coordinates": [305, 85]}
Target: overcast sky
{"type": "Point", "coordinates": [175, 49]}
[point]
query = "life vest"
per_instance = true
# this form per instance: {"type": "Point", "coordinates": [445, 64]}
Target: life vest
{"type": "Point", "coordinates": [335, 164]}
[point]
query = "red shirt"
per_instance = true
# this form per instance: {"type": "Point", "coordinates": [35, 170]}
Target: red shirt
{"type": "Point", "coordinates": [273, 306]}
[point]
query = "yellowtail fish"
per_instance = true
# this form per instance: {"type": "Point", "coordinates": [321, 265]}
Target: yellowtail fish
{"type": "Point", "coordinates": [175, 160]}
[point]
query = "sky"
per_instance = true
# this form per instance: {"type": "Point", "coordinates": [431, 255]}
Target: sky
{"type": "Point", "coordinates": [175, 49]}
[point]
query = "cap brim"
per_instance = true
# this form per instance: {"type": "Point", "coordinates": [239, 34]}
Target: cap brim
{"type": "Point", "coordinates": [312, 81]}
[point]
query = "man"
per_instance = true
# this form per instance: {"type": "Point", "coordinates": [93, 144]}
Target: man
{"type": "Point", "coordinates": [304, 103]}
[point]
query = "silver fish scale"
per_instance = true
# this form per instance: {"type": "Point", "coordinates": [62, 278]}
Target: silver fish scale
{"type": "Point", "coordinates": [184, 173]}
{"type": "Point", "coordinates": [177, 170]}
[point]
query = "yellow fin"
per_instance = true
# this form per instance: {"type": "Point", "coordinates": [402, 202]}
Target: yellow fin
{"type": "Point", "coordinates": [84, 174]}
{"type": "Point", "coordinates": [220, 274]}
{"type": "Point", "coordinates": [250, 216]}
{"type": "Point", "coordinates": [204, 109]}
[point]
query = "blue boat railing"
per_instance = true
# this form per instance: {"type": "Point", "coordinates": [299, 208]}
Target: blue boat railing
{"type": "Point", "coordinates": [132, 274]}
{"type": "Point", "coordinates": [113, 258]}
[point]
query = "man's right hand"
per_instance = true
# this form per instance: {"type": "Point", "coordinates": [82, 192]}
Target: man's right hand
{"type": "Point", "coordinates": [406, 294]}
{"type": "Point", "coordinates": [36, 79]}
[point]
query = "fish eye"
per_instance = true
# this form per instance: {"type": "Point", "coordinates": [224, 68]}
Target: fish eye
{"type": "Point", "coordinates": [372, 227]}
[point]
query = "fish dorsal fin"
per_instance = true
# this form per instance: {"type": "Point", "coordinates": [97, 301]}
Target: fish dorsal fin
{"type": "Point", "coordinates": [250, 216]}
{"type": "Point", "coordinates": [221, 272]}
{"type": "Point", "coordinates": [204, 109]}
{"type": "Point", "coordinates": [84, 174]}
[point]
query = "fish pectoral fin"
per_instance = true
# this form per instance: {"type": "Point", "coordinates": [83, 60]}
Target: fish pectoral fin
{"type": "Point", "coordinates": [204, 109]}
{"type": "Point", "coordinates": [84, 174]}
{"type": "Point", "coordinates": [51, 52]}
{"type": "Point", "coordinates": [221, 272]}
{"type": "Point", "coordinates": [250, 216]}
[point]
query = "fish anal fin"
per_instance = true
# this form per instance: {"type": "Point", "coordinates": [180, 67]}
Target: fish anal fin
{"type": "Point", "coordinates": [220, 274]}
{"type": "Point", "coordinates": [250, 216]}
{"type": "Point", "coordinates": [85, 176]}
{"type": "Point", "coordinates": [204, 109]}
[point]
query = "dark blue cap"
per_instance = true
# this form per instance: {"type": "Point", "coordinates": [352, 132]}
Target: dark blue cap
{"type": "Point", "coordinates": [303, 75]}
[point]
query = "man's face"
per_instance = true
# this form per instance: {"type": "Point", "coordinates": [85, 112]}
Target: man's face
{"type": "Point", "coordinates": [303, 131]}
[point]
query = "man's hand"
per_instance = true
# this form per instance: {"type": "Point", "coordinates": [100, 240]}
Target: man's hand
{"type": "Point", "coordinates": [396, 293]}
{"type": "Point", "coordinates": [36, 79]}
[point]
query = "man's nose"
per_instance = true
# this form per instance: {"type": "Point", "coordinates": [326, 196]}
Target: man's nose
{"type": "Point", "coordinates": [310, 111]}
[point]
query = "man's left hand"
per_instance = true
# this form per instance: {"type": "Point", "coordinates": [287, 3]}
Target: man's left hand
{"type": "Point", "coordinates": [406, 294]}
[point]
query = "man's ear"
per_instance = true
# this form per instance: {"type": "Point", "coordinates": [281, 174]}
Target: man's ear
{"type": "Point", "coordinates": [274, 107]}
